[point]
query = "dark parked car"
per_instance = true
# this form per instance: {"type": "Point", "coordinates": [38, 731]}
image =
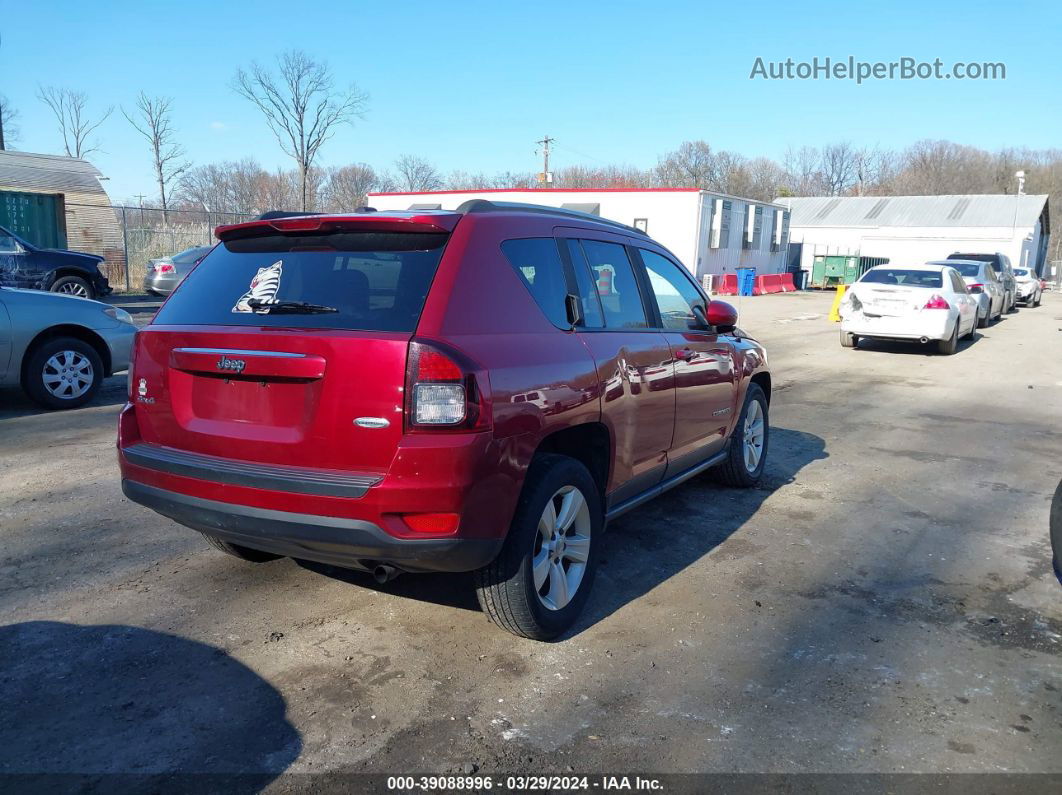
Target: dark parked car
{"type": "Point", "coordinates": [164, 274]}
{"type": "Point", "coordinates": [70, 272]}
{"type": "Point", "coordinates": [1000, 263]}
{"type": "Point", "coordinates": [471, 390]}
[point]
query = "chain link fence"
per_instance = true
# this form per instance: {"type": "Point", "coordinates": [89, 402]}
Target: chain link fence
{"type": "Point", "coordinates": [128, 238]}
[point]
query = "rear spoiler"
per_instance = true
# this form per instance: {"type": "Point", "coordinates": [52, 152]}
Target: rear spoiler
{"type": "Point", "coordinates": [419, 223]}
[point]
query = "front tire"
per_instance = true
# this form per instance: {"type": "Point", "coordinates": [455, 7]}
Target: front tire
{"type": "Point", "coordinates": [73, 285]}
{"type": "Point", "coordinates": [747, 454]}
{"type": "Point", "coordinates": [241, 552]}
{"type": "Point", "coordinates": [982, 322]}
{"type": "Point", "coordinates": [63, 373]}
{"type": "Point", "coordinates": [541, 579]}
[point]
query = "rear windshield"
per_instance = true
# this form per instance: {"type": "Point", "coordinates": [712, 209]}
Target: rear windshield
{"type": "Point", "coordinates": [1021, 272]}
{"type": "Point", "coordinates": [909, 278]}
{"type": "Point", "coordinates": [967, 268]}
{"type": "Point", "coordinates": [375, 281]}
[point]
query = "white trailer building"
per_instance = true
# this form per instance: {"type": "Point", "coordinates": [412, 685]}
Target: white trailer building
{"type": "Point", "coordinates": [710, 233]}
{"type": "Point", "coordinates": [918, 229]}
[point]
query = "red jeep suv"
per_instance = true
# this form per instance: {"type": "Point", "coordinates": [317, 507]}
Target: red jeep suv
{"type": "Point", "coordinates": [473, 390]}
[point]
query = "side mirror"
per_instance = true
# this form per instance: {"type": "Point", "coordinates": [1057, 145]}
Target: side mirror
{"type": "Point", "coordinates": [722, 316]}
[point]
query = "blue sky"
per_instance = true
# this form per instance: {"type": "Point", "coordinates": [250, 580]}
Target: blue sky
{"type": "Point", "coordinates": [473, 85]}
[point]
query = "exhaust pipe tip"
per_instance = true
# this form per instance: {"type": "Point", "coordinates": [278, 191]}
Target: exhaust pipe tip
{"type": "Point", "coordinates": [384, 573]}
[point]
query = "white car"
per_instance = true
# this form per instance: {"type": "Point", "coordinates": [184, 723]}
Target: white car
{"type": "Point", "coordinates": [1029, 290]}
{"type": "Point", "coordinates": [983, 284]}
{"type": "Point", "coordinates": [919, 303]}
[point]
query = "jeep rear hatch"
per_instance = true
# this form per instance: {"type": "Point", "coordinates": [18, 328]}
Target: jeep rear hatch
{"type": "Point", "coordinates": [287, 344]}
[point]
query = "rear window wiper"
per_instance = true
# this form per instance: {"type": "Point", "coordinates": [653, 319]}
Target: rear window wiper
{"type": "Point", "coordinates": [288, 307]}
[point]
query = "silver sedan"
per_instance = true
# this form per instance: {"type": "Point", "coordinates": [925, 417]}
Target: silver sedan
{"type": "Point", "coordinates": [164, 274]}
{"type": "Point", "coordinates": [59, 348]}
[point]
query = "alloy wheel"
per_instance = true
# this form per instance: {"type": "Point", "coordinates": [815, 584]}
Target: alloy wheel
{"type": "Point", "coordinates": [73, 288]}
{"type": "Point", "coordinates": [562, 548]}
{"type": "Point", "coordinates": [68, 375]}
{"type": "Point", "coordinates": [752, 435]}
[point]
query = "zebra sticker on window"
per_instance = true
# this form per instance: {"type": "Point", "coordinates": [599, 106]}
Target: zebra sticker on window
{"type": "Point", "coordinates": [263, 291]}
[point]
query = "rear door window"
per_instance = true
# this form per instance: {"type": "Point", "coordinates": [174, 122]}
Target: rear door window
{"type": "Point", "coordinates": [587, 286]}
{"type": "Point", "coordinates": [372, 281]}
{"type": "Point", "coordinates": [537, 262]}
{"type": "Point", "coordinates": [617, 286]}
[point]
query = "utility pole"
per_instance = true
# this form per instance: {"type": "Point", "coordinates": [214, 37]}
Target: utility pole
{"type": "Point", "coordinates": [547, 178]}
{"type": "Point", "coordinates": [140, 198]}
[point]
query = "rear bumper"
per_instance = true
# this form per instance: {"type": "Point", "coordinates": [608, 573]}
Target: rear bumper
{"type": "Point", "coordinates": [908, 327]}
{"type": "Point", "coordinates": [351, 543]}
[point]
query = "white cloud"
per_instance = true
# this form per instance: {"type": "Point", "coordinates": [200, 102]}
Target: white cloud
{"type": "Point", "coordinates": [218, 125]}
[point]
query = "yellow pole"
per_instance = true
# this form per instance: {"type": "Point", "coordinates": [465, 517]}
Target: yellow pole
{"type": "Point", "coordinates": [835, 315]}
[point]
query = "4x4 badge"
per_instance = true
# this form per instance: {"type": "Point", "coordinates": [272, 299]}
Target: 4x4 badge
{"type": "Point", "coordinates": [234, 365]}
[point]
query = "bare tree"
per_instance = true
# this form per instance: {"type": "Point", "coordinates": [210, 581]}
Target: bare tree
{"type": "Point", "coordinates": [152, 120]}
{"type": "Point", "coordinates": [8, 128]}
{"type": "Point", "coordinates": [346, 188]}
{"type": "Point", "coordinates": [301, 106]}
{"type": "Point", "coordinates": [803, 176]}
{"type": "Point", "coordinates": [416, 174]}
{"type": "Point", "coordinates": [692, 165]}
{"type": "Point", "coordinates": [838, 168]}
{"type": "Point", "coordinates": [75, 123]}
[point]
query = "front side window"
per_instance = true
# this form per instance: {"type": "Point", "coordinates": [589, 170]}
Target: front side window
{"type": "Point", "coordinates": [537, 262]}
{"type": "Point", "coordinates": [675, 295]}
{"type": "Point", "coordinates": [371, 281]}
{"type": "Point", "coordinates": [617, 286]}
{"type": "Point", "coordinates": [8, 245]}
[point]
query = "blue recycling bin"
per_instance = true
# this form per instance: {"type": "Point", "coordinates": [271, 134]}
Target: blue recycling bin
{"type": "Point", "coordinates": [746, 278]}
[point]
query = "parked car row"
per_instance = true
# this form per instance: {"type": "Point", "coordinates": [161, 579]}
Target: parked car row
{"type": "Point", "coordinates": [936, 303]}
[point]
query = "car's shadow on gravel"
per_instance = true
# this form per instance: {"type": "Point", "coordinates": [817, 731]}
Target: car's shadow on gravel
{"type": "Point", "coordinates": [14, 403]}
{"type": "Point", "coordinates": [119, 708]}
{"type": "Point", "coordinates": [914, 348]}
{"type": "Point", "coordinates": [657, 541]}
{"type": "Point", "coordinates": [641, 549]}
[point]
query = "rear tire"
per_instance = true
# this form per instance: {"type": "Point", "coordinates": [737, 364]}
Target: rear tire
{"type": "Point", "coordinates": [535, 550]}
{"type": "Point", "coordinates": [949, 346]}
{"type": "Point", "coordinates": [73, 285]}
{"type": "Point", "coordinates": [849, 340]}
{"type": "Point", "coordinates": [241, 552]}
{"type": "Point", "coordinates": [735, 470]}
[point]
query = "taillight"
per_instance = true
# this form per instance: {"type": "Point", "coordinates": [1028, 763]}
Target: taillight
{"type": "Point", "coordinates": [442, 391]}
{"type": "Point", "coordinates": [976, 287]}
{"type": "Point", "coordinates": [164, 267]}
{"type": "Point", "coordinates": [937, 302]}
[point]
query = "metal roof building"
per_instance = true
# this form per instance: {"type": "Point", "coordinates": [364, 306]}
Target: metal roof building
{"type": "Point", "coordinates": [922, 228]}
{"type": "Point", "coordinates": [57, 202]}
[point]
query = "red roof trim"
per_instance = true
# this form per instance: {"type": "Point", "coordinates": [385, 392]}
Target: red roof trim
{"type": "Point", "coordinates": [535, 190]}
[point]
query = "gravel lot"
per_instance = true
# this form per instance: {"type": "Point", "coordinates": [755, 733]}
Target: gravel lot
{"type": "Point", "coordinates": [883, 602]}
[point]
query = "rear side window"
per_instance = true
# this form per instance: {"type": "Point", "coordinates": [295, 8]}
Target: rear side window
{"type": "Point", "coordinates": [957, 284]}
{"type": "Point", "coordinates": [374, 281]}
{"type": "Point", "coordinates": [538, 264]}
{"type": "Point", "coordinates": [592, 316]}
{"type": "Point", "coordinates": [908, 278]}
{"type": "Point", "coordinates": [617, 286]}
